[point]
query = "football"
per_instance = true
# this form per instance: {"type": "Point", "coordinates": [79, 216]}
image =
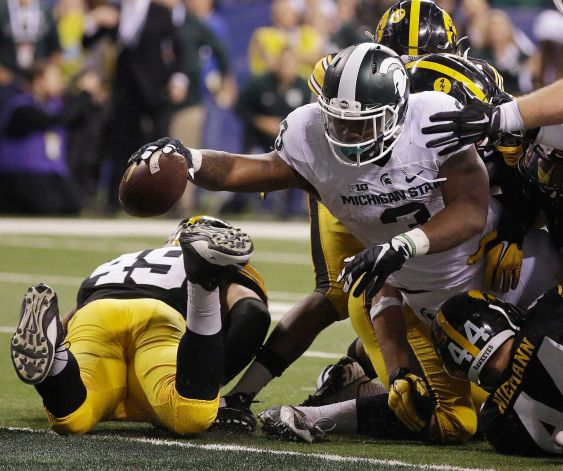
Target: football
{"type": "Point", "coordinates": [152, 186]}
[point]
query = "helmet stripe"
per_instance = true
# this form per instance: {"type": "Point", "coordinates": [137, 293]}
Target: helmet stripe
{"type": "Point", "coordinates": [481, 359]}
{"type": "Point", "coordinates": [381, 26]}
{"type": "Point", "coordinates": [455, 335]}
{"type": "Point", "coordinates": [349, 78]}
{"type": "Point", "coordinates": [454, 74]}
{"type": "Point", "coordinates": [414, 21]}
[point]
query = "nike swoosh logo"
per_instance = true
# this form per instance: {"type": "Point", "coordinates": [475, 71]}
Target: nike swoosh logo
{"type": "Point", "coordinates": [411, 179]}
{"type": "Point", "coordinates": [504, 244]}
{"type": "Point", "coordinates": [485, 119]}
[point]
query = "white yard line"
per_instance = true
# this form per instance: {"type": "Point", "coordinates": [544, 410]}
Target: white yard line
{"type": "Point", "coordinates": [124, 247]}
{"type": "Point", "coordinates": [262, 451]}
{"type": "Point", "coordinates": [141, 227]}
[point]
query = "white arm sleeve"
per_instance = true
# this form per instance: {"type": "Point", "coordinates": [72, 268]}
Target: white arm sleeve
{"type": "Point", "coordinates": [551, 136]}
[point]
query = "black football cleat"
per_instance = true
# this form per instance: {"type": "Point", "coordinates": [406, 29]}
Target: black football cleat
{"type": "Point", "coordinates": [289, 423]}
{"type": "Point", "coordinates": [235, 417]}
{"type": "Point", "coordinates": [213, 254]}
{"type": "Point", "coordinates": [337, 383]}
{"type": "Point", "coordinates": [37, 335]}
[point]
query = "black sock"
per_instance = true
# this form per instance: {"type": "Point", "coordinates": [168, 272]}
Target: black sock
{"type": "Point", "coordinates": [272, 361]}
{"type": "Point", "coordinates": [200, 365]}
{"type": "Point", "coordinates": [376, 420]}
{"type": "Point", "coordinates": [64, 393]}
{"type": "Point", "coordinates": [244, 331]}
{"type": "Point", "coordinates": [357, 352]}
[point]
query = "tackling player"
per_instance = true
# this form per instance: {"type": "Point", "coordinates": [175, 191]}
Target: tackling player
{"type": "Point", "coordinates": [154, 335]}
{"type": "Point", "coordinates": [479, 121]}
{"type": "Point", "coordinates": [517, 356]}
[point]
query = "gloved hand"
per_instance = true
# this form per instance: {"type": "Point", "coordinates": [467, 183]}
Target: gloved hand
{"type": "Point", "coordinates": [409, 399]}
{"type": "Point", "coordinates": [476, 122]}
{"type": "Point", "coordinates": [375, 264]}
{"type": "Point", "coordinates": [503, 251]}
{"type": "Point", "coordinates": [167, 145]}
{"type": "Point", "coordinates": [510, 145]}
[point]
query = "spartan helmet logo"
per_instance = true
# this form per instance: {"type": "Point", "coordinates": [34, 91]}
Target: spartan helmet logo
{"type": "Point", "coordinates": [395, 66]}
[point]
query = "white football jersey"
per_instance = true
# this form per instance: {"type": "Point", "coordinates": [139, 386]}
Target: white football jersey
{"type": "Point", "coordinates": [377, 203]}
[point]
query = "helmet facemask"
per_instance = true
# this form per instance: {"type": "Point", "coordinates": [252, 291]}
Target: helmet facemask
{"type": "Point", "coordinates": [543, 174]}
{"type": "Point", "coordinates": [358, 137]}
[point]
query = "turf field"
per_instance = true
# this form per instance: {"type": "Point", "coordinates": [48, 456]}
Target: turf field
{"type": "Point", "coordinates": [31, 252]}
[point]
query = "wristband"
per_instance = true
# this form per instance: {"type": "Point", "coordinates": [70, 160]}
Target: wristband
{"type": "Point", "coordinates": [197, 157]}
{"type": "Point", "coordinates": [416, 242]}
{"type": "Point", "coordinates": [384, 303]}
{"type": "Point", "coordinates": [510, 117]}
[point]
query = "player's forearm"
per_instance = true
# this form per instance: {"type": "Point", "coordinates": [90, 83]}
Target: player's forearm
{"type": "Point", "coordinates": [390, 328]}
{"type": "Point", "coordinates": [223, 171]}
{"type": "Point", "coordinates": [391, 333]}
{"type": "Point", "coordinates": [455, 224]}
{"type": "Point", "coordinates": [543, 107]}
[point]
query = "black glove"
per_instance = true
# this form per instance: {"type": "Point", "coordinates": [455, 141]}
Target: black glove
{"type": "Point", "coordinates": [476, 122]}
{"type": "Point", "coordinates": [167, 145]}
{"type": "Point", "coordinates": [375, 263]}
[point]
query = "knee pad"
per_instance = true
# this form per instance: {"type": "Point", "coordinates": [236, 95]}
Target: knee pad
{"type": "Point", "coordinates": [252, 311]}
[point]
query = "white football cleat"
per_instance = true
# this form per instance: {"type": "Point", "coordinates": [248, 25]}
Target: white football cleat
{"type": "Point", "coordinates": [212, 254]}
{"type": "Point", "coordinates": [289, 423]}
{"type": "Point", "coordinates": [37, 335]}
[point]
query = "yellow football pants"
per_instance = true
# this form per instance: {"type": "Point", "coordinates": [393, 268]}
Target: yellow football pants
{"type": "Point", "coordinates": [457, 400]}
{"type": "Point", "coordinates": [331, 243]}
{"type": "Point", "coordinates": [126, 351]}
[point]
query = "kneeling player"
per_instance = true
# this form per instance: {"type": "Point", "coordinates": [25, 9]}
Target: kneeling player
{"type": "Point", "coordinates": [147, 342]}
{"type": "Point", "coordinates": [517, 356]}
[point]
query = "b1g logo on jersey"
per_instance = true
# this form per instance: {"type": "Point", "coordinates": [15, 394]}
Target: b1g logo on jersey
{"type": "Point", "coordinates": [358, 187]}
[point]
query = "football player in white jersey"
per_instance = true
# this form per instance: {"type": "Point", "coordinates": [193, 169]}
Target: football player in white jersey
{"type": "Point", "coordinates": [360, 151]}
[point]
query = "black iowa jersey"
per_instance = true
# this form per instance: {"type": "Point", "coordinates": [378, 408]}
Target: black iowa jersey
{"type": "Point", "coordinates": [156, 273]}
{"type": "Point", "coordinates": [523, 414]}
{"type": "Point", "coordinates": [153, 273]}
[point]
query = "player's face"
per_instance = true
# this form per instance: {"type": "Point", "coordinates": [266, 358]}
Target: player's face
{"type": "Point", "coordinates": [351, 132]}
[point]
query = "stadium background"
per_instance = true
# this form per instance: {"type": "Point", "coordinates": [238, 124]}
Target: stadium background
{"type": "Point", "coordinates": [223, 108]}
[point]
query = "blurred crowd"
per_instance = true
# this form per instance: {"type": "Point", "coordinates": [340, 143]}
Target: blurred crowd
{"type": "Point", "coordinates": [83, 83]}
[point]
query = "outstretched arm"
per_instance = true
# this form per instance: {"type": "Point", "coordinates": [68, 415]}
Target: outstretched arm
{"type": "Point", "coordinates": [223, 171]}
{"type": "Point", "coordinates": [478, 120]}
{"type": "Point", "coordinates": [246, 173]}
{"type": "Point", "coordinates": [543, 107]}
